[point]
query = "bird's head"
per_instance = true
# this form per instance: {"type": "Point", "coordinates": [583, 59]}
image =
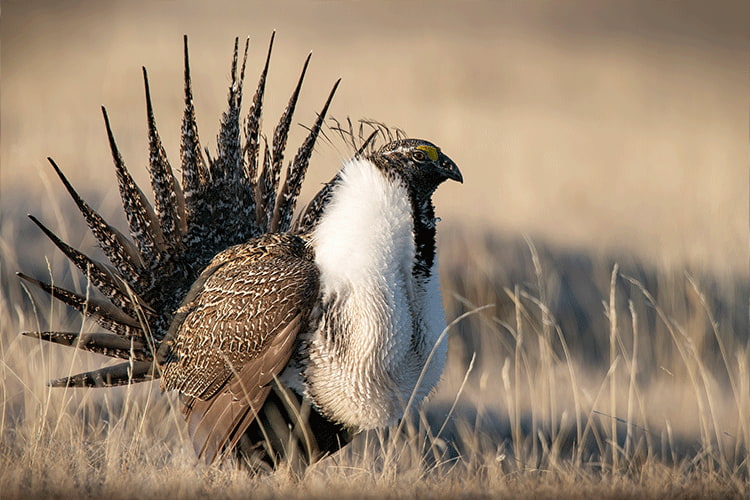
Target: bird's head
{"type": "Point", "coordinates": [420, 164]}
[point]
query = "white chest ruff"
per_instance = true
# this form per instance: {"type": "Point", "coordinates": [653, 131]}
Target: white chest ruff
{"type": "Point", "coordinates": [379, 324]}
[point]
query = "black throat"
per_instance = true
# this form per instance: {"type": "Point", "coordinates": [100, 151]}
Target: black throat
{"type": "Point", "coordinates": [423, 213]}
{"type": "Point", "coordinates": [422, 210]}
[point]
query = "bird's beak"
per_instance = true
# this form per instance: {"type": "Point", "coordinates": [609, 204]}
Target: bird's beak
{"type": "Point", "coordinates": [450, 169]}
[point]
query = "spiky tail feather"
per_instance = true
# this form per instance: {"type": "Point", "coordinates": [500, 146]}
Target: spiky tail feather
{"type": "Point", "coordinates": [173, 240]}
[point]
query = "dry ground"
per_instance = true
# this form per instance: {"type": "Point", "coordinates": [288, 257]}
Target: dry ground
{"type": "Point", "coordinates": [609, 133]}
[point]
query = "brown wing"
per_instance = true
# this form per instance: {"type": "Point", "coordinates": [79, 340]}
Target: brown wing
{"type": "Point", "coordinates": [234, 333]}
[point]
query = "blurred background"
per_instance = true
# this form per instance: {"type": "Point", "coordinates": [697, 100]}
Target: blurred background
{"type": "Point", "coordinates": [595, 126]}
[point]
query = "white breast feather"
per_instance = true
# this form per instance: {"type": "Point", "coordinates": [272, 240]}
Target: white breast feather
{"type": "Point", "coordinates": [433, 317]}
{"type": "Point", "coordinates": [364, 247]}
{"type": "Point", "coordinates": [366, 228]}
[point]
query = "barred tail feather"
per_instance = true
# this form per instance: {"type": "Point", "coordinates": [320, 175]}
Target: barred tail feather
{"type": "Point", "coordinates": [118, 249]}
{"type": "Point", "coordinates": [264, 190]}
{"type": "Point", "coordinates": [106, 344]}
{"type": "Point", "coordinates": [194, 172]}
{"type": "Point", "coordinates": [169, 201]}
{"type": "Point", "coordinates": [102, 276]}
{"type": "Point", "coordinates": [140, 215]}
{"type": "Point", "coordinates": [281, 132]}
{"type": "Point", "coordinates": [111, 376]}
{"type": "Point", "coordinates": [252, 127]}
{"type": "Point", "coordinates": [229, 161]}
{"type": "Point", "coordinates": [296, 172]}
{"type": "Point", "coordinates": [104, 313]}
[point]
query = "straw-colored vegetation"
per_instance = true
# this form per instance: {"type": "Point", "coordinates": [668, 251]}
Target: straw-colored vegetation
{"type": "Point", "coordinates": [568, 376]}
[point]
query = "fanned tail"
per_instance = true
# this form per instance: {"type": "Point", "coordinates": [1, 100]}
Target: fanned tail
{"type": "Point", "coordinates": [219, 202]}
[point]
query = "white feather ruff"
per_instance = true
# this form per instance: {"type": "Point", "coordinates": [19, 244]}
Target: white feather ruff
{"type": "Point", "coordinates": [365, 360]}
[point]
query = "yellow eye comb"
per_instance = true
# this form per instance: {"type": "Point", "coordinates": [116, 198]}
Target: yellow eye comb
{"type": "Point", "coordinates": [432, 152]}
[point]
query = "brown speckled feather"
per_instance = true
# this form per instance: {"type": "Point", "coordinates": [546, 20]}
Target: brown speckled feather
{"type": "Point", "coordinates": [216, 424]}
{"type": "Point", "coordinates": [235, 331]}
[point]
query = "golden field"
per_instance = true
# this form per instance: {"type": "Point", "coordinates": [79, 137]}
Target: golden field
{"type": "Point", "coordinates": [599, 245]}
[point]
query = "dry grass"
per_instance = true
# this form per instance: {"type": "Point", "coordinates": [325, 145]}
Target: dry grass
{"type": "Point", "coordinates": [581, 378]}
{"type": "Point", "coordinates": [614, 359]}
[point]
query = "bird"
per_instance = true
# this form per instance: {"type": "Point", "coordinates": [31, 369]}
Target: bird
{"type": "Point", "coordinates": [285, 334]}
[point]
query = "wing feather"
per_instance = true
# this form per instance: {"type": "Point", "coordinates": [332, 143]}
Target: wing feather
{"type": "Point", "coordinates": [221, 420]}
{"type": "Point", "coordinates": [235, 332]}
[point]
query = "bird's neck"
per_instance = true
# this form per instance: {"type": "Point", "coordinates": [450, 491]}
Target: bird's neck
{"type": "Point", "coordinates": [425, 223]}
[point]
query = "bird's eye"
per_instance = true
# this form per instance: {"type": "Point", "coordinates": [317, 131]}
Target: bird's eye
{"type": "Point", "coordinates": [419, 155]}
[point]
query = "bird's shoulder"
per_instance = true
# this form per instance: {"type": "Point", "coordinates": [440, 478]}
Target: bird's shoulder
{"type": "Point", "coordinates": [247, 296]}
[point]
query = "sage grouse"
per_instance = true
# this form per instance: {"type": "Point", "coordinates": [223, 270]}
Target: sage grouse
{"type": "Point", "coordinates": [279, 333]}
